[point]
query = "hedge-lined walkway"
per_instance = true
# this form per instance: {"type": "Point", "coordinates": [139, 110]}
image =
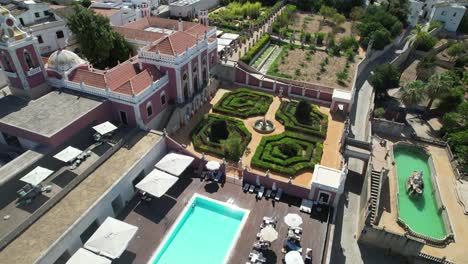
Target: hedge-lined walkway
{"type": "Point", "coordinates": [330, 156]}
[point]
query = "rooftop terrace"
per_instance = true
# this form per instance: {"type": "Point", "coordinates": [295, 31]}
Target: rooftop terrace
{"type": "Point", "coordinates": [43, 233]}
{"type": "Point", "coordinates": [155, 218]}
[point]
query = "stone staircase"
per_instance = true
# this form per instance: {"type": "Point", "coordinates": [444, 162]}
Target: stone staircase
{"type": "Point", "coordinates": [375, 186]}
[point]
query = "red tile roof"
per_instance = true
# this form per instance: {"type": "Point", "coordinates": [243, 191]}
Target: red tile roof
{"type": "Point", "coordinates": [123, 78]}
{"type": "Point", "coordinates": [107, 12]}
{"type": "Point", "coordinates": [175, 43]}
{"type": "Point", "coordinates": [138, 34]}
{"type": "Point", "coordinates": [90, 78]}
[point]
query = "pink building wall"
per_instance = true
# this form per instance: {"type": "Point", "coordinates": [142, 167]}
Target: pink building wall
{"type": "Point", "coordinates": [155, 100]}
{"type": "Point", "coordinates": [36, 79]}
{"type": "Point", "coordinates": [32, 52]}
{"type": "Point", "coordinates": [117, 107]}
{"type": "Point", "coordinates": [172, 91]}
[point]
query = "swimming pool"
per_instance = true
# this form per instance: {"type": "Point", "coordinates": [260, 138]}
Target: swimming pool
{"type": "Point", "coordinates": [420, 214]}
{"type": "Point", "coordinates": [205, 232]}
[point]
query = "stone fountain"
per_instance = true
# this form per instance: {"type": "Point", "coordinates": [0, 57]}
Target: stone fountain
{"type": "Point", "coordinates": [264, 126]}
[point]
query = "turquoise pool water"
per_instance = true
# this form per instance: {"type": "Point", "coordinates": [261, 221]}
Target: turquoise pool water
{"type": "Point", "coordinates": [204, 234]}
{"type": "Point", "coordinates": [419, 213]}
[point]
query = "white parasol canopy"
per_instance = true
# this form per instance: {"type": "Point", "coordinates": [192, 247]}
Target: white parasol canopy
{"type": "Point", "coordinates": [157, 183]}
{"type": "Point", "coordinates": [105, 128]}
{"type": "Point", "coordinates": [268, 234]}
{"type": "Point", "coordinates": [84, 256]}
{"type": "Point", "coordinates": [293, 220]}
{"type": "Point", "coordinates": [293, 257]}
{"type": "Point", "coordinates": [36, 176]}
{"type": "Point", "coordinates": [111, 238]}
{"type": "Point", "coordinates": [213, 165]}
{"type": "Point", "coordinates": [174, 163]}
{"type": "Point", "coordinates": [68, 154]}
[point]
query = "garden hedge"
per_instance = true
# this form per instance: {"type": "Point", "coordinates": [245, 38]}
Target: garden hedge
{"type": "Point", "coordinates": [243, 103]}
{"type": "Point", "coordinates": [268, 156]}
{"type": "Point", "coordinates": [318, 121]}
{"type": "Point", "coordinates": [200, 134]}
{"type": "Point", "coordinates": [247, 58]}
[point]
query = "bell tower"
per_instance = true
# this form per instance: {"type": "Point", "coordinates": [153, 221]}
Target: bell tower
{"type": "Point", "coordinates": [20, 59]}
{"type": "Point", "coordinates": [203, 17]}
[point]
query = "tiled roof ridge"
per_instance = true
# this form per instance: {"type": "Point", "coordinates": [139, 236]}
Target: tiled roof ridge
{"type": "Point", "coordinates": [170, 44]}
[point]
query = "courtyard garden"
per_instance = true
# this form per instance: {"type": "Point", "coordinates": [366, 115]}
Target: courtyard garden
{"type": "Point", "coordinates": [243, 103]}
{"type": "Point", "coordinates": [237, 16]}
{"type": "Point", "coordinates": [303, 118]}
{"type": "Point", "coordinates": [288, 153]}
{"type": "Point", "coordinates": [222, 136]}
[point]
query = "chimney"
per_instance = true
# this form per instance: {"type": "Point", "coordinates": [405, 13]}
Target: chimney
{"type": "Point", "coordinates": [181, 24]}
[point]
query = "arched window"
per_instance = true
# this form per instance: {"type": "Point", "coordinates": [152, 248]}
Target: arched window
{"type": "Point", "coordinates": [163, 98]}
{"type": "Point", "coordinates": [28, 59]}
{"type": "Point", "coordinates": [149, 109]}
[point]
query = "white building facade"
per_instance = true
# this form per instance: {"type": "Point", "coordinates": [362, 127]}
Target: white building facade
{"type": "Point", "coordinates": [450, 14]}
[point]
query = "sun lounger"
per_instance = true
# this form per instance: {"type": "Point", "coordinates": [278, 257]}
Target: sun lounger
{"type": "Point", "coordinates": [279, 194]}
{"type": "Point", "coordinates": [252, 188]}
{"type": "Point", "coordinates": [260, 192]}
{"type": "Point", "coordinates": [306, 206]}
{"type": "Point", "coordinates": [268, 194]}
{"type": "Point", "coordinates": [218, 176]}
{"type": "Point", "coordinates": [246, 187]}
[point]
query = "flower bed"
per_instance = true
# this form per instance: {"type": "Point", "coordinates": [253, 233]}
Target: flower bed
{"type": "Point", "coordinates": [317, 125]}
{"type": "Point", "coordinates": [303, 153]}
{"type": "Point", "coordinates": [201, 133]}
{"type": "Point", "coordinates": [243, 103]}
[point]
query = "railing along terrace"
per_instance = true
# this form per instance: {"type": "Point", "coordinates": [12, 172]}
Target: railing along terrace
{"type": "Point", "coordinates": [34, 71]}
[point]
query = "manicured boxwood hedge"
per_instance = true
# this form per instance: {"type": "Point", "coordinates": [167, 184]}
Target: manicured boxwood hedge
{"type": "Point", "coordinates": [247, 58]}
{"type": "Point", "coordinates": [200, 135]}
{"type": "Point", "coordinates": [243, 103]}
{"type": "Point", "coordinates": [318, 121]}
{"type": "Point", "coordinates": [268, 156]}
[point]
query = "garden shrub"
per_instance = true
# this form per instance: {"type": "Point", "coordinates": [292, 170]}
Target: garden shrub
{"type": "Point", "coordinates": [238, 135]}
{"type": "Point", "coordinates": [218, 130]}
{"type": "Point", "coordinates": [424, 42]}
{"type": "Point", "coordinates": [243, 103]}
{"type": "Point", "coordinates": [379, 112]}
{"type": "Point", "coordinates": [303, 110]}
{"type": "Point", "coordinates": [319, 37]}
{"type": "Point", "coordinates": [288, 153]}
{"type": "Point", "coordinates": [247, 58]}
{"type": "Point", "coordinates": [316, 125]}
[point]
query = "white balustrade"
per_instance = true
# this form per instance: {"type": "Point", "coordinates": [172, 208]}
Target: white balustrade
{"type": "Point", "coordinates": [10, 74]}
{"type": "Point", "coordinates": [33, 71]}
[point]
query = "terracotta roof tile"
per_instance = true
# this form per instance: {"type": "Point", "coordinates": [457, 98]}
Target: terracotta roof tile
{"type": "Point", "coordinates": [175, 43]}
{"type": "Point", "coordinates": [107, 12]}
{"type": "Point", "coordinates": [90, 78]}
{"type": "Point", "coordinates": [120, 74]}
{"type": "Point", "coordinates": [130, 33]}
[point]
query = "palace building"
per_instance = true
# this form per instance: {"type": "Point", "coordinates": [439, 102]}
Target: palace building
{"type": "Point", "coordinates": [171, 69]}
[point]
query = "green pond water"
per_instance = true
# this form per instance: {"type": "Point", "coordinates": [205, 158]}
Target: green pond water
{"type": "Point", "coordinates": [420, 213]}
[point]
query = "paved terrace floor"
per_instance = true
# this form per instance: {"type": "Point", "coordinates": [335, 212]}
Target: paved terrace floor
{"type": "Point", "coordinates": [330, 158]}
{"type": "Point", "coordinates": [29, 246]}
{"type": "Point", "coordinates": [456, 251]}
{"type": "Point", "coordinates": [155, 218]}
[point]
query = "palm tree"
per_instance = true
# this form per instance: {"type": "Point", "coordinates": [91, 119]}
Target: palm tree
{"type": "Point", "coordinates": [437, 86]}
{"type": "Point", "coordinates": [413, 93]}
{"type": "Point", "coordinates": [417, 33]}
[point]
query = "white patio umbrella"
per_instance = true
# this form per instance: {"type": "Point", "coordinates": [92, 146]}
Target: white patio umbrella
{"type": "Point", "coordinates": [213, 165]}
{"type": "Point", "coordinates": [105, 128]}
{"type": "Point", "coordinates": [293, 220]}
{"type": "Point", "coordinates": [84, 256]}
{"type": "Point", "coordinates": [111, 238]}
{"type": "Point", "coordinates": [174, 163]}
{"type": "Point", "coordinates": [268, 234]}
{"type": "Point", "coordinates": [293, 257]}
{"type": "Point", "coordinates": [36, 176]}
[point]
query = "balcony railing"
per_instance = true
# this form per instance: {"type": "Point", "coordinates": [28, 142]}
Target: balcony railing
{"type": "Point", "coordinates": [10, 74]}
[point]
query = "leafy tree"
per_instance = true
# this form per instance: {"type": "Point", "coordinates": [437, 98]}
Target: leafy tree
{"type": "Point", "coordinates": [451, 100]}
{"type": "Point", "coordinates": [102, 46]}
{"type": "Point", "coordinates": [399, 9]}
{"type": "Point", "coordinates": [338, 19]}
{"type": "Point", "coordinates": [413, 93]}
{"type": "Point", "coordinates": [303, 110]}
{"type": "Point", "coordinates": [232, 148]}
{"type": "Point", "coordinates": [438, 86]}
{"type": "Point", "coordinates": [421, 39]}
{"type": "Point", "coordinates": [456, 50]}
{"type": "Point", "coordinates": [379, 112]}
{"type": "Point", "coordinates": [86, 3]}
{"type": "Point", "coordinates": [425, 68]}
{"type": "Point", "coordinates": [385, 76]}
{"type": "Point", "coordinates": [319, 37]}
{"type": "Point", "coordinates": [349, 42]}
{"type": "Point", "coordinates": [357, 13]}
{"type": "Point", "coordinates": [381, 38]}
{"type": "Point", "coordinates": [327, 12]}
